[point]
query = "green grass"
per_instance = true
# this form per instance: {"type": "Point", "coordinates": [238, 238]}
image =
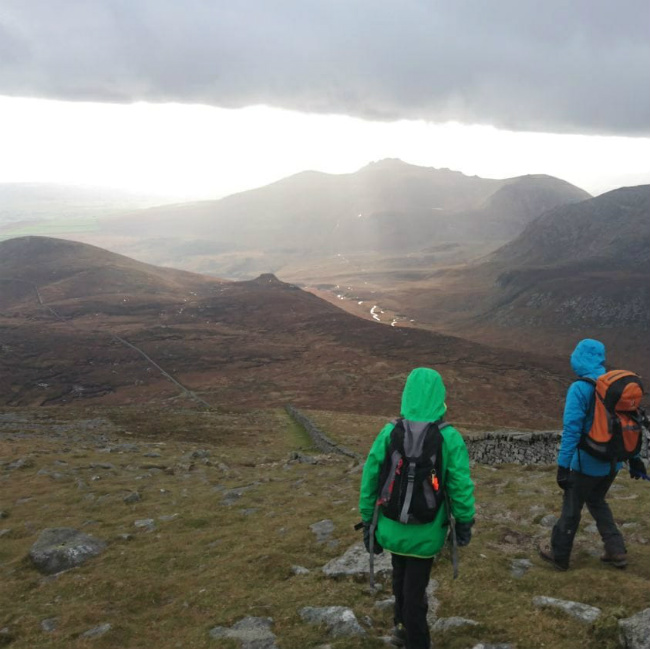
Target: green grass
{"type": "Point", "coordinates": [215, 564]}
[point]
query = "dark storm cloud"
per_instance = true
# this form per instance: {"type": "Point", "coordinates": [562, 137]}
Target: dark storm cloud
{"type": "Point", "coordinates": [579, 66]}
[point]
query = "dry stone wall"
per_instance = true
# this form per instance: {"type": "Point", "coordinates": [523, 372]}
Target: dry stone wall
{"type": "Point", "coordinates": [500, 447]}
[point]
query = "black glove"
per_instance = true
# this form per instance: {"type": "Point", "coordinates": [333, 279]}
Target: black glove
{"type": "Point", "coordinates": [637, 468]}
{"type": "Point", "coordinates": [376, 548]}
{"type": "Point", "coordinates": [563, 474]}
{"type": "Point", "coordinates": [463, 533]}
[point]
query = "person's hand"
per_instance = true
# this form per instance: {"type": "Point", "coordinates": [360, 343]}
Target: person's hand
{"type": "Point", "coordinates": [563, 474]}
{"type": "Point", "coordinates": [377, 549]}
{"type": "Point", "coordinates": [637, 468]}
{"type": "Point", "coordinates": [463, 533]}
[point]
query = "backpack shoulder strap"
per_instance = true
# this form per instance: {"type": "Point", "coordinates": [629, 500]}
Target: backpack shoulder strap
{"type": "Point", "coordinates": [586, 379]}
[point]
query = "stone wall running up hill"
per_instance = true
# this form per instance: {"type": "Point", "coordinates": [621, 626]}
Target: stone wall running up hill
{"type": "Point", "coordinates": [486, 448]}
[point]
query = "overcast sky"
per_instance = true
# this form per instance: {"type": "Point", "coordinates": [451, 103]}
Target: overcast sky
{"type": "Point", "coordinates": [512, 67]}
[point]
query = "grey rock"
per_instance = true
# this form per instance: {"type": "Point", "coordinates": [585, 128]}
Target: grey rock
{"type": "Point", "coordinates": [132, 498]}
{"type": "Point", "coordinates": [446, 623]}
{"type": "Point", "coordinates": [166, 518]}
{"type": "Point", "coordinates": [322, 530]}
{"type": "Point", "coordinates": [634, 632]}
{"type": "Point", "coordinates": [299, 570]}
{"type": "Point", "coordinates": [125, 537]}
{"type": "Point", "coordinates": [249, 511]}
{"type": "Point", "coordinates": [145, 523]}
{"type": "Point", "coordinates": [582, 612]}
{"type": "Point", "coordinates": [434, 602]}
{"type": "Point", "coordinates": [502, 645]}
{"type": "Point", "coordinates": [97, 631]}
{"type": "Point", "coordinates": [200, 454]}
{"type": "Point", "coordinates": [252, 632]}
{"type": "Point", "coordinates": [6, 636]}
{"type": "Point", "coordinates": [5, 532]}
{"type": "Point", "coordinates": [20, 463]}
{"type": "Point", "coordinates": [152, 454]}
{"type": "Point", "coordinates": [355, 562]}
{"type": "Point", "coordinates": [519, 567]}
{"type": "Point", "coordinates": [385, 604]}
{"type": "Point", "coordinates": [50, 624]}
{"type": "Point", "coordinates": [124, 448]}
{"type": "Point", "coordinates": [102, 465]}
{"type": "Point", "coordinates": [548, 521]}
{"type": "Point", "coordinates": [592, 528]}
{"type": "Point", "coordinates": [4, 514]}
{"type": "Point", "coordinates": [340, 621]}
{"type": "Point", "coordinates": [63, 548]}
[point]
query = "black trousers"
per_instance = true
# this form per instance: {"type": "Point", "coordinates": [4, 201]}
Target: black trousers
{"type": "Point", "coordinates": [410, 580]}
{"type": "Point", "coordinates": [590, 490]}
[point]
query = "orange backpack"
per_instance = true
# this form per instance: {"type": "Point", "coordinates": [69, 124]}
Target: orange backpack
{"type": "Point", "coordinates": [616, 432]}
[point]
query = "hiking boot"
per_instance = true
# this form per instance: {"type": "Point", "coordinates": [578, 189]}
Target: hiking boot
{"type": "Point", "coordinates": [547, 554]}
{"type": "Point", "coordinates": [398, 636]}
{"type": "Point", "coordinates": [616, 560]}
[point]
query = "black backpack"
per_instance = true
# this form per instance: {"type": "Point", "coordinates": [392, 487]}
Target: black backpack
{"type": "Point", "coordinates": [410, 480]}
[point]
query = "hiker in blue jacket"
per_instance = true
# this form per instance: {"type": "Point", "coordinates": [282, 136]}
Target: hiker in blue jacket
{"type": "Point", "coordinates": [584, 478]}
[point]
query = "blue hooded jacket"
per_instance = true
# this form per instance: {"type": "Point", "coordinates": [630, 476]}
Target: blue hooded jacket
{"type": "Point", "coordinates": [587, 360]}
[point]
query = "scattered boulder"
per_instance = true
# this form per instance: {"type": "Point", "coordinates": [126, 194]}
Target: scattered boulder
{"type": "Point", "coordinates": [354, 562]}
{"type": "Point", "coordinates": [519, 567]}
{"type": "Point", "coordinates": [634, 632]}
{"type": "Point", "coordinates": [145, 523]}
{"type": "Point", "coordinates": [385, 604]}
{"type": "Point", "coordinates": [299, 570]}
{"type": "Point", "coordinates": [132, 498]}
{"type": "Point", "coordinates": [434, 602]}
{"type": "Point", "coordinates": [323, 530]}
{"type": "Point", "coordinates": [446, 623]}
{"type": "Point", "coordinates": [166, 518]}
{"type": "Point", "coordinates": [339, 620]}
{"type": "Point", "coordinates": [20, 463]}
{"type": "Point", "coordinates": [97, 631]}
{"type": "Point", "coordinates": [549, 520]}
{"type": "Point", "coordinates": [581, 612]}
{"type": "Point", "coordinates": [482, 645]}
{"type": "Point", "coordinates": [252, 632]}
{"type": "Point", "coordinates": [5, 532]}
{"type": "Point", "coordinates": [6, 636]}
{"type": "Point", "coordinates": [50, 624]}
{"type": "Point", "coordinates": [62, 548]}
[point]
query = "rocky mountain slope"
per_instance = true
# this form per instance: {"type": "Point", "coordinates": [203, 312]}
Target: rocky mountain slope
{"type": "Point", "coordinates": [577, 271]}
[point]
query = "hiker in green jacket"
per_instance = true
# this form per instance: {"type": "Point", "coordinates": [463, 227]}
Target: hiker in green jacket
{"type": "Point", "coordinates": [412, 542]}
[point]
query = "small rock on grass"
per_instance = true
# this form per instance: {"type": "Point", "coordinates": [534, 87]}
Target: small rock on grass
{"type": "Point", "coordinates": [50, 624]}
{"type": "Point", "coordinates": [339, 620]}
{"type": "Point", "coordinates": [145, 523]}
{"type": "Point", "coordinates": [582, 612]}
{"type": "Point", "coordinates": [62, 548]}
{"type": "Point", "coordinates": [133, 497]}
{"type": "Point", "coordinates": [252, 632]}
{"type": "Point", "coordinates": [447, 623]}
{"type": "Point", "coordinates": [635, 630]}
{"type": "Point", "coordinates": [97, 631]}
{"type": "Point", "coordinates": [299, 570]}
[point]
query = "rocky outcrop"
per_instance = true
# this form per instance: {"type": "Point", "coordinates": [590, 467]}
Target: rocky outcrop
{"type": "Point", "coordinates": [355, 563]}
{"type": "Point", "coordinates": [251, 632]}
{"type": "Point", "coordinates": [340, 621]}
{"type": "Point", "coordinates": [635, 631]}
{"type": "Point", "coordinates": [63, 548]}
{"type": "Point", "coordinates": [581, 612]}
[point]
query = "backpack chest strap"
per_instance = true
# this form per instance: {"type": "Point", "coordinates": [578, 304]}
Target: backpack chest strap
{"type": "Point", "coordinates": [404, 514]}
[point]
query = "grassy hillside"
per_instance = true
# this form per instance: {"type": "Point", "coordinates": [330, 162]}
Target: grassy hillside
{"type": "Point", "coordinates": [214, 557]}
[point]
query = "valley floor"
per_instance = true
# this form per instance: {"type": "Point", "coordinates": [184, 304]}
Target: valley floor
{"type": "Point", "coordinates": [222, 519]}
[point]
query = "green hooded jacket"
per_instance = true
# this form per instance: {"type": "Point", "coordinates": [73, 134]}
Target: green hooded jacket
{"type": "Point", "coordinates": [423, 400]}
